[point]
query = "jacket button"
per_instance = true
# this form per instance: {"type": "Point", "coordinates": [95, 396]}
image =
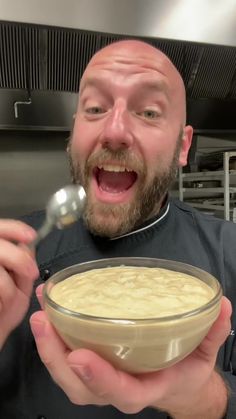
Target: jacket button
{"type": "Point", "coordinates": [45, 274]}
{"type": "Point", "coordinates": [41, 417]}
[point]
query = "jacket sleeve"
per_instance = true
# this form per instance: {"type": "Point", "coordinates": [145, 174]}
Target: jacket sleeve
{"type": "Point", "coordinates": [230, 292]}
{"type": "Point", "coordinates": [231, 408]}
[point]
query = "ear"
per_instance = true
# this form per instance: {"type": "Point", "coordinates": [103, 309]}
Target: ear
{"type": "Point", "coordinates": [186, 144]}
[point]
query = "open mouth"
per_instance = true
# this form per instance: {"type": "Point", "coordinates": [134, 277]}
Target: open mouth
{"type": "Point", "coordinates": [114, 179]}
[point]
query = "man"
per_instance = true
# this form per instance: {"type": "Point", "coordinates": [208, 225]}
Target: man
{"type": "Point", "coordinates": [128, 140]}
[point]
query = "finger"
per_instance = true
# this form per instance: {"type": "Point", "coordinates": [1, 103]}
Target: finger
{"type": "Point", "coordinates": [14, 258]}
{"type": "Point", "coordinates": [124, 391]}
{"type": "Point", "coordinates": [218, 332]}
{"type": "Point", "coordinates": [28, 249]}
{"type": "Point", "coordinates": [7, 289]}
{"type": "Point", "coordinates": [17, 231]}
{"type": "Point", "coordinates": [20, 264]}
{"type": "Point", "coordinates": [53, 353]}
{"type": "Point", "coordinates": [39, 294]}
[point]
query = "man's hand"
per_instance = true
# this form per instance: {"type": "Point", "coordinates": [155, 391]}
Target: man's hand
{"type": "Point", "coordinates": [18, 270]}
{"type": "Point", "coordinates": [185, 390]}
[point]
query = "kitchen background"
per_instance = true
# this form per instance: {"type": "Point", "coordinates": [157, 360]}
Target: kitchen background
{"type": "Point", "coordinates": [44, 48]}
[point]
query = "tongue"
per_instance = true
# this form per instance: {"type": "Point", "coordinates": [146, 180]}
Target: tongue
{"type": "Point", "coordinates": [115, 182]}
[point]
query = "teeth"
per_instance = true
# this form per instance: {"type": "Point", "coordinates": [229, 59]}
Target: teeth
{"type": "Point", "coordinates": [113, 168]}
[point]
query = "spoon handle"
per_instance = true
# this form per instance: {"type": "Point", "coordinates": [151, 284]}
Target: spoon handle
{"type": "Point", "coordinates": [41, 233]}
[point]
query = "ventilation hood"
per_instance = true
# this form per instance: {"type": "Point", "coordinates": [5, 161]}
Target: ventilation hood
{"type": "Point", "coordinates": [45, 46]}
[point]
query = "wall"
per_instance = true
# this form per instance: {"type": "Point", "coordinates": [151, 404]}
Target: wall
{"type": "Point", "coordinates": [32, 166]}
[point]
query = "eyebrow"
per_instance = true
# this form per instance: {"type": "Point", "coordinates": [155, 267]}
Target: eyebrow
{"type": "Point", "coordinates": [90, 82]}
{"type": "Point", "coordinates": [154, 85]}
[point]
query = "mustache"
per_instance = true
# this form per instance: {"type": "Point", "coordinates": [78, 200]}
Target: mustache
{"type": "Point", "coordinates": [120, 156]}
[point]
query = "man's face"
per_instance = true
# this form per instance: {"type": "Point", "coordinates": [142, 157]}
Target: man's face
{"type": "Point", "coordinates": [127, 141]}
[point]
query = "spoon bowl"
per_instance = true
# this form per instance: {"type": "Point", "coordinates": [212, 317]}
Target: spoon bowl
{"type": "Point", "coordinates": [66, 206]}
{"type": "Point", "coordinates": [63, 209]}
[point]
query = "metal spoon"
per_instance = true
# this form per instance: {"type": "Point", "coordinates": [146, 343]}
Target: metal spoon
{"type": "Point", "coordinates": [63, 208]}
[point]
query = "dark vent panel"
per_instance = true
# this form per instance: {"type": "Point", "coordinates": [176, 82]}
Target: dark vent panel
{"type": "Point", "coordinates": [67, 55]}
{"type": "Point", "coordinates": [19, 57]}
{"type": "Point", "coordinates": [53, 59]}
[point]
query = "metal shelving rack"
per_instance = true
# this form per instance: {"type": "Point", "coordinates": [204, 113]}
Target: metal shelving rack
{"type": "Point", "coordinates": [228, 204]}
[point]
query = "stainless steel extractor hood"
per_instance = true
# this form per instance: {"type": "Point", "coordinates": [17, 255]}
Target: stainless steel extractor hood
{"type": "Point", "coordinates": [45, 46]}
{"type": "Point", "coordinates": [207, 21]}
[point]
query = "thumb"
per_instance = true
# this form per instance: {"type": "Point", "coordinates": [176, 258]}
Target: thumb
{"type": "Point", "coordinates": [218, 332]}
{"type": "Point", "coordinates": [39, 294]}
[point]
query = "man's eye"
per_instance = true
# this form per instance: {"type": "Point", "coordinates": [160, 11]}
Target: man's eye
{"type": "Point", "coordinates": [149, 114]}
{"type": "Point", "coordinates": [95, 110]}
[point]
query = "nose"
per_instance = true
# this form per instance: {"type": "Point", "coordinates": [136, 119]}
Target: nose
{"type": "Point", "coordinates": [117, 129]}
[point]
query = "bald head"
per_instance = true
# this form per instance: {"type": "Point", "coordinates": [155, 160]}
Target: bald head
{"type": "Point", "coordinates": [139, 53]}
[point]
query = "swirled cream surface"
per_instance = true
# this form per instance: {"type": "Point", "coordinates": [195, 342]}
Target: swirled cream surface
{"type": "Point", "coordinates": [131, 292]}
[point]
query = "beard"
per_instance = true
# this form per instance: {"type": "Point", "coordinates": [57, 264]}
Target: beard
{"type": "Point", "coordinates": [113, 220]}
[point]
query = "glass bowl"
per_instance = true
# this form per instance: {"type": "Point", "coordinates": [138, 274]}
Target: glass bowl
{"type": "Point", "coordinates": [141, 344]}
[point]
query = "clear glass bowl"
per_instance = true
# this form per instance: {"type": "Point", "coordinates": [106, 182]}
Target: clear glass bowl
{"type": "Point", "coordinates": [140, 345]}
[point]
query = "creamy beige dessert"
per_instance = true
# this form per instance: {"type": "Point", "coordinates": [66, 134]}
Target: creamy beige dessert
{"type": "Point", "coordinates": [131, 292]}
